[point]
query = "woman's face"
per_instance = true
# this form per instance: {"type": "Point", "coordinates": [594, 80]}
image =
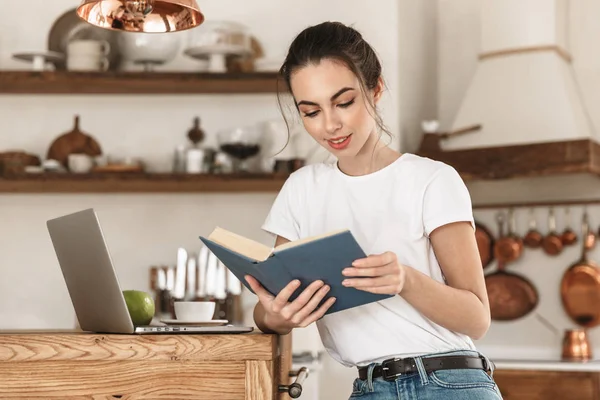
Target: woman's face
{"type": "Point", "coordinates": [333, 109]}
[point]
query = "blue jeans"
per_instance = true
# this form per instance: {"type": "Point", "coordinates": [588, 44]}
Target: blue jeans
{"type": "Point", "coordinates": [448, 384]}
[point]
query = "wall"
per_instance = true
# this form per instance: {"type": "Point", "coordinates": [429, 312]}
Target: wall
{"type": "Point", "coordinates": [418, 68]}
{"type": "Point", "coordinates": [143, 230]}
{"type": "Point", "coordinates": [458, 41]}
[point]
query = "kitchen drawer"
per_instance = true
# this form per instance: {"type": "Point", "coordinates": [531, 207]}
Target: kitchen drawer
{"type": "Point", "coordinates": [548, 385]}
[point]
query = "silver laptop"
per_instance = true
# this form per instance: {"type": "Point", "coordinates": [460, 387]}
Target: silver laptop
{"type": "Point", "coordinates": [93, 285]}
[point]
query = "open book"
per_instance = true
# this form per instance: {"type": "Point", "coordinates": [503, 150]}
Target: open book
{"type": "Point", "coordinates": [319, 257]}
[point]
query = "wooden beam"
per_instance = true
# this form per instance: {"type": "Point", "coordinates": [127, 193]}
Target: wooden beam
{"type": "Point", "coordinates": [540, 159]}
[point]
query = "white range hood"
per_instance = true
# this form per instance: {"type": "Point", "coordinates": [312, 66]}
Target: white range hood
{"type": "Point", "coordinates": [524, 90]}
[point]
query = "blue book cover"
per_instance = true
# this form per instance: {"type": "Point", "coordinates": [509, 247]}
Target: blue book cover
{"type": "Point", "coordinates": [323, 258]}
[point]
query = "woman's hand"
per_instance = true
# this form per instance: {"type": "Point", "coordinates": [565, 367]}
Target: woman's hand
{"type": "Point", "coordinates": [381, 274]}
{"type": "Point", "coordinates": [283, 316]}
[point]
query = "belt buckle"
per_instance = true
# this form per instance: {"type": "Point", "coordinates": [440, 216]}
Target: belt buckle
{"type": "Point", "coordinates": [486, 366]}
{"type": "Point", "coordinates": [385, 368]}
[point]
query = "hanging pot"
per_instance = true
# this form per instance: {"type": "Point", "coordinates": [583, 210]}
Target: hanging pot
{"type": "Point", "coordinates": [580, 285]}
{"type": "Point", "coordinates": [511, 296]}
{"type": "Point", "coordinates": [485, 244]}
{"type": "Point", "coordinates": [508, 247]}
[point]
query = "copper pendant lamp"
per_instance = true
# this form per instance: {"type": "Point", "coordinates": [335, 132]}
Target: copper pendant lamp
{"type": "Point", "coordinates": [150, 16]}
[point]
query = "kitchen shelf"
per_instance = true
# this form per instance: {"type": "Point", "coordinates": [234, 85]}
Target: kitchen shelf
{"type": "Point", "coordinates": [519, 161]}
{"type": "Point", "coordinates": [66, 82]}
{"type": "Point", "coordinates": [141, 183]}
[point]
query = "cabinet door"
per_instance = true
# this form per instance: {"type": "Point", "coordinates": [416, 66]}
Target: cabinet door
{"type": "Point", "coordinates": [545, 385]}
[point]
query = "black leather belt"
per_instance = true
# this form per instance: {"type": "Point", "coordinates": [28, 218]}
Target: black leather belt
{"type": "Point", "coordinates": [392, 368]}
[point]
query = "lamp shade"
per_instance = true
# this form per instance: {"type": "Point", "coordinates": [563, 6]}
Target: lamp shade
{"type": "Point", "coordinates": [150, 16]}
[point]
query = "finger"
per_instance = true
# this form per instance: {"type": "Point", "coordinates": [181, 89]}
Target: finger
{"type": "Point", "coordinates": [375, 260]}
{"type": "Point", "coordinates": [317, 314]}
{"type": "Point", "coordinates": [395, 289]}
{"type": "Point", "coordinates": [292, 308]}
{"type": "Point", "coordinates": [370, 282]}
{"type": "Point", "coordinates": [262, 293]}
{"type": "Point", "coordinates": [284, 295]}
{"type": "Point", "coordinates": [373, 271]}
{"type": "Point", "coordinates": [314, 302]}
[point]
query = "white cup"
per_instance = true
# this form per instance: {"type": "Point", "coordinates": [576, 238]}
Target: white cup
{"type": "Point", "coordinates": [88, 48]}
{"type": "Point", "coordinates": [80, 163]}
{"type": "Point", "coordinates": [194, 311]}
{"type": "Point", "coordinates": [87, 63]}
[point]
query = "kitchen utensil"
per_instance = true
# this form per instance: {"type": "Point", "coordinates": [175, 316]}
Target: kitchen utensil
{"type": "Point", "coordinates": [552, 242]}
{"type": "Point", "coordinates": [485, 244]}
{"type": "Point", "coordinates": [533, 238]}
{"type": "Point", "coordinates": [235, 308]}
{"type": "Point", "coordinates": [201, 279]}
{"type": "Point", "coordinates": [69, 27]}
{"type": "Point", "coordinates": [511, 296]}
{"type": "Point", "coordinates": [221, 292]}
{"type": "Point", "coordinates": [180, 273]}
{"type": "Point", "coordinates": [190, 286]}
{"type": "Point", "coordinates": [580, 286]}
{"type": "Point", "coordinates": [148, 50]}
{"type": "Point", "coordinates": [71, 142]}
{"type": "Point", "coordinates": [39, 59]}
{"type": "Point", "coordinates": [576, 345]}
{"type": "Point", "coordinates": [568, 236]}
{"type": "Point", "coordinates": [151, 16]}
{"type": "Point", "coordinates": [507, 248]}
{"type": "Point", "coordinates": [211, 277]}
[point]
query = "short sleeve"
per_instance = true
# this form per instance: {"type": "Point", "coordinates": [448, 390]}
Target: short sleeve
{"type": "Point", "coordinates": [446, 200]}
{"type": "Point", "coordinates": [282, 219]}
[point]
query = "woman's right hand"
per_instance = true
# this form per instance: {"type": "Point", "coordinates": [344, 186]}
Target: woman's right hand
{"type": "Point", "coordinates": [281, 315]}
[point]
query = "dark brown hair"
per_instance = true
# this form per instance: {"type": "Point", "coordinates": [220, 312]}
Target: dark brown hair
{"type": "Point", "coordinates": [334, 41]}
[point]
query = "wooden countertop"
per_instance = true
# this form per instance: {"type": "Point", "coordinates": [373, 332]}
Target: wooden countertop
{"type": "Point", "coordinates": [73, 345]}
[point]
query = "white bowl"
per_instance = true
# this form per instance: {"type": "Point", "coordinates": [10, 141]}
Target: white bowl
{"type": "Point", "coordinates": [194, 310]}
{"type": "Point", "coordinates": [141, 48]}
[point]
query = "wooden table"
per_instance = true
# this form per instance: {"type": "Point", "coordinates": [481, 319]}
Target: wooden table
{"type": "Point", "coordinates": [77, 365]}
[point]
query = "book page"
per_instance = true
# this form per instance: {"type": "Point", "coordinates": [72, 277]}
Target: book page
{"type": "Point", "coordinates": [240, 244]}
{"type": "Point", "coordinates": [299, 242]}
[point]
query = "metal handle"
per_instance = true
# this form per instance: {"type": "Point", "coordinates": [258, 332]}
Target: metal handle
{"type": "Point", "coordinates": [295, 389]}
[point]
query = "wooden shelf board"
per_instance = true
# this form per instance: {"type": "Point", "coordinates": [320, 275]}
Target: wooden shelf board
{"type": "Point", "coordinates": [517, 161]}
{"type": "Point", "coordinates": [141, 183]}
{"type": "Point", "coordinates": [66, 82]}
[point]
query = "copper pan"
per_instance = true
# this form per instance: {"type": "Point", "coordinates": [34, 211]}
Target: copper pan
{"type": "Point", "coordinates": [511, 296]}
{"type": "Point", "coordinates": [580, 285]}
{"type": "Point", "coordinates": [552, 242]}
{"type": "Point", "coordinates": [485, 243]}
{"type": "Point", "coordinates": [508, 247]}
{"type": "Point", "coordinates": [533, 238]}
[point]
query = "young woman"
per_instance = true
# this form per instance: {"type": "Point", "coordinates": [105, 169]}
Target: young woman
{"type": "Point", "coordinates": [412, 215]}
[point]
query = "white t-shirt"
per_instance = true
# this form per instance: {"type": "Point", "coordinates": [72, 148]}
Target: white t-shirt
{"type": "Point", "coordinates": [393, 209]}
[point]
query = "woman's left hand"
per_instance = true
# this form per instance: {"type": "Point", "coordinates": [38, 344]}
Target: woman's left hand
{"type": "Point", "coordinates": [380, 273]}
